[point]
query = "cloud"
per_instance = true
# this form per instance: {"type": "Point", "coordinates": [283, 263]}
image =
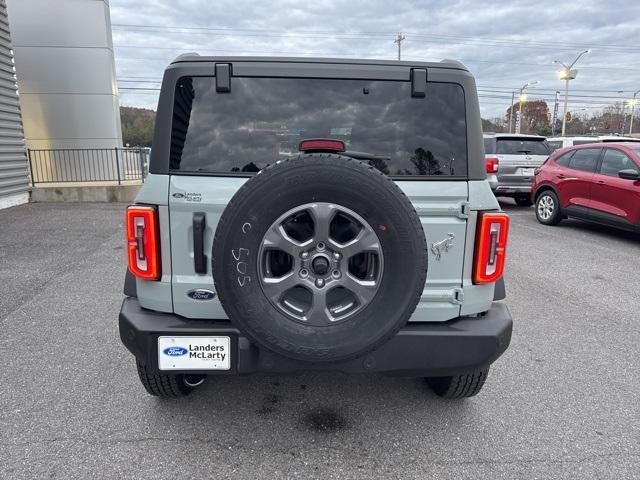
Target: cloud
{"type": "Point", "coordinates": [504, 45]}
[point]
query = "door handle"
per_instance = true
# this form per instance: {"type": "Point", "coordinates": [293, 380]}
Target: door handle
{"type": "Point", "coordinates": [601, 182]}
{"type": "Point", "coordinates": [561, 175]}
{"type": "Point", "coordinates": [199, 257]}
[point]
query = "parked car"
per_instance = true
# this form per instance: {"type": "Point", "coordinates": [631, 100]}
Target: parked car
{"type": "Point", "coordinates": [563, 142]}
{"type": "Point", "coordinates": [595, 182]}
{"type": "Point", "coordinates": [244, 257]}
{"type": "Point", "coordinates": [512, 158]}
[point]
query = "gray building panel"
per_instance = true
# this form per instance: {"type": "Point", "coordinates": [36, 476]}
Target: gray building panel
{"type": "Point", "coordinates": [14, 182]}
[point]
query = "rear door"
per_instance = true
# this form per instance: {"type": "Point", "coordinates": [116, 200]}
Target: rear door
{"type": "Point", "coordinates": [575, 181]}
{"type": "Point", "coordinates": [615, 200]}
{"type": "Point", "coordinates": [518, 157]}
{"type": "Point", "coordinates": [223, 136]}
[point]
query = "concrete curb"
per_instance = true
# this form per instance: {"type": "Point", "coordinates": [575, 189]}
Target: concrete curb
{"type": "Point", "coordinates": [101, 193]}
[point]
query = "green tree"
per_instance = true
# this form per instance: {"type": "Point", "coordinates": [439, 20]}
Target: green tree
{"type": "Point", "coordinates": [137, 126]}
{"type": "Point", "coordinates": [535, 113]}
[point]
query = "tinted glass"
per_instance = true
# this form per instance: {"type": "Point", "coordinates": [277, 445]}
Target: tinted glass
{"type": "Point", "coordinates": [522, 147]}
{"type": "Point", "coordinates": [563, 160]}
{"type": "Point", "coordinates": [613, 161]}
{"type": "Point", "coordinates": [489, 146]}
{"type": "Point", "coordinates": [554, 144]}
{"type": "Point", "coordinates": [263, 120]}
{"type": "Point", "coordinates": [585, 159]}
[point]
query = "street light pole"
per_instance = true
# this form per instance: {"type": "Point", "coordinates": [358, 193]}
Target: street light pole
{"type": "Point", "coordinates": [633, 107]}
{"type": "Point", "coordinates": [522, 98]}
{"type": "Point", "coordinates": [566, 75]}
{"type": "Point", "coordinates": [566, 101]}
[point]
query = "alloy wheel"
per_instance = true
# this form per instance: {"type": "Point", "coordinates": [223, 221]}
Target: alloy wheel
{"type": "Point", "coordinates": [320, 263]}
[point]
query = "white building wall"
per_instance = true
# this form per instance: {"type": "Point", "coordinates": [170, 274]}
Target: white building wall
{"type": "Point", "coordinates": [66, 73]}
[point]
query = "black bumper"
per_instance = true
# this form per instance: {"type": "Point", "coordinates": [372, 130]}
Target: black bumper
{"type": "Point", "coordinates": [425, 349]}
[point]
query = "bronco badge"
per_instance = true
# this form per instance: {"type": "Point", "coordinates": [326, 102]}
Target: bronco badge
{"type": "Point", "coordinates": [443, 246]}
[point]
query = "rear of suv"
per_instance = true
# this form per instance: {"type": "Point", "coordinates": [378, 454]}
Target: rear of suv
{"type": "Point", "coordinates": [315, 214]}
{"type": "Point", "coordinates": [513, 159]}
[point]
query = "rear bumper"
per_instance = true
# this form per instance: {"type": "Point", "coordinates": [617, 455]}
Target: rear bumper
{"type": "Point", "coordinates": [512, 189]}
{"type": "Point", "coordinates": [426, 349]}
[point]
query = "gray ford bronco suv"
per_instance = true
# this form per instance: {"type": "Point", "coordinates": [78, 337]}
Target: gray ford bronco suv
{"type": "Point", "coordinates": [315, 214]}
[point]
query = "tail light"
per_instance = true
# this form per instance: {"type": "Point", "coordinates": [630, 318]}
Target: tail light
{"type": "Point", "coordinates": [492, 165]}
{"type": "Point", "coordinates": [143, 247]}
{"type": "Point", "coordinates": [491, 245]}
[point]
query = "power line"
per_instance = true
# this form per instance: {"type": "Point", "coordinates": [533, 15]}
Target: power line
{"type": "Point", "coordinates": [355, 54]}
{"type": "Point", "coordinates": [330, 33]}
{"type": "Point", "coordinates": [351, 36]}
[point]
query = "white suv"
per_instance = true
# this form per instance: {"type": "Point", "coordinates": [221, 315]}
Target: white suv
{"type": "Point", "coordinates": [561, 142]}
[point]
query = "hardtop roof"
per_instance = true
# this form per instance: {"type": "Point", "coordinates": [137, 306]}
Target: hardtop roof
{"type": "Point", "coordinates": [194, 57]}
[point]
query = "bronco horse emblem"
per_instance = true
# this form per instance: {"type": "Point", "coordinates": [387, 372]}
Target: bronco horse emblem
{"type": "Point", "coordinates": [443, 246]}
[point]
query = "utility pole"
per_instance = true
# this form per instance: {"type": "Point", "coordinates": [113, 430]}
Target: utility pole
{"type": "Point", "coordinates": [633, 107]}
{"type": "Point", "coordinates": [399, 40]}
{"type": "Point", "coordinates": [513, 94]}
{"type": "Point", "coordinates": [566, 74]}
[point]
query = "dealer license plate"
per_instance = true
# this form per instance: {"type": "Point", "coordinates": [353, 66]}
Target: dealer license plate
{"type": "Point", "coordinates": [527, 172]}
{"type": "Point", "coordinates": [194, 353]}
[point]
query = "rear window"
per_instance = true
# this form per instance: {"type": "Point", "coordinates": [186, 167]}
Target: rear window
{"type": "Point", "coordinates": [489, 146]}
{"type": "Point", "coordinates": [554, 144]}
{"type": "Point", "coordinates": [263, 120]}
{"type": "Point", "coordinates": [520, 146]}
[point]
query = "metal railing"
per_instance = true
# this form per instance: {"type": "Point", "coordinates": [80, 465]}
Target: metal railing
{"type": "Point", "coordinates": [63, 165]}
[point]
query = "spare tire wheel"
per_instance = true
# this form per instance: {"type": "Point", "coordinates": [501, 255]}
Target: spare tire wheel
{"type": "Point", "coordinates": [319, 258]}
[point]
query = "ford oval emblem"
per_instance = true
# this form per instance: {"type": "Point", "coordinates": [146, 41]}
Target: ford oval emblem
{"type": "Point", "coordinates": [201, 294]}
{"type": "Point", "coordinates": [175, 351]}
{"type": "Point", "coordinates": [178, 195]}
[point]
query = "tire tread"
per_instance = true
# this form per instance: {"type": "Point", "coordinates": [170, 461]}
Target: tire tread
{"type": "Point", "coordinates": [459, 386]}
{"type": "Point", "coordinates": [162, 385]}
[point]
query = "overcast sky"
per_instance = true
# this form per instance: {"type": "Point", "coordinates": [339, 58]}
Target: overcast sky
{"type": "Point", "coordinates": [504, 44]}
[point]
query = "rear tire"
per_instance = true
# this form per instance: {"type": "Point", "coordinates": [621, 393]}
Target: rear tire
{"type": "Point", "coordinates": [167, 386]}
{"type": "Point", "coordinates": [548, 208]}
{"type": "Point", "coordinates": [524, 201]}
{"type": "Point", "coordinates": [459, 386]}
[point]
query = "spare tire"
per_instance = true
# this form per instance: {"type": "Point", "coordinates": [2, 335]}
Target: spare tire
{"type": "Point", "coordinates": [319, 258]}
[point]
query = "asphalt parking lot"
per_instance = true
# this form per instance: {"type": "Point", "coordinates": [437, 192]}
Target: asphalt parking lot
{"type": "Point", "coordinates": [563, 402]}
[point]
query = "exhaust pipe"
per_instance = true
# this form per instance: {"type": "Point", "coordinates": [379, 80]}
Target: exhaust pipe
{"type": "Point", "coordinates": [194, 381]}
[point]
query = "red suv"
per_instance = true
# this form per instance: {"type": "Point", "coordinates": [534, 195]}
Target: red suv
{"type": "Point", "coordinates": [596, 182]}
